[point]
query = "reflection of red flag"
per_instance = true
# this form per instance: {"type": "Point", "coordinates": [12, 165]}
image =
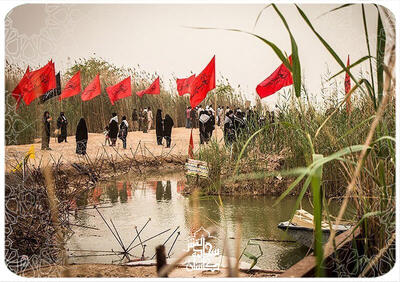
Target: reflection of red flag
{"type": "Point", "coordinates": [120, 90]}
{"type": "Point", "coordinates": [153, 184]}
{"type": "Point", "coordinates": [183, 85]}
{"type": "Point", "coordinates": [17, 92]}
{"type": "Point", "coordinates": [120, 185]}
{"type": "Point", "coordinates": [180, 185]}
{"type": "Point", "coordinates": [347, 87]}
{"type": "Point", "coordinates": [128, 189]}
{"type": "Point", "coordinates": [73, 86]}
{"type": "Point", "coordinates": [203, 83]}
{"type": "Point", "coordinates": [281, 77]}
{"type": "Point", "coordinates": [92, 90]}
{"type": "Point", "coordinates": [191, 145]}
{"type": "Point", "coordinates": [153, 89]}
{"type": "Point", "coordinates": [40, 81]}
{"type": "Point", "coordinates": [96, 194]}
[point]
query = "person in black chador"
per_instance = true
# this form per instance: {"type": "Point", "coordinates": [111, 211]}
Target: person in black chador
{"type": "Point", "coordinates": [204, 126]}
{"type": "Point", "coordinates": [113, 125]}
{"type": "Point", "coordinates": [135, 119]}
{"type": "Point", "coordinates": [123, 131]}
{"type": "Point", "coordinates": [239, 124]}
{"type": "Point", "coordinates": [46, 131]}
{"type": "Point", "coordinates": [229, 129]}
{"type": "Point", "coordinates": [81, 137]}
{"type": "Point", "coordinates": [159, 127]}
{"type": "Point", "coordinates": [210, 125]}
{"type": "Point", "coordinates": [193, 118]}
{"type": "Point", "coordinates": [62, 123]}
{"type": "Point", "coordinates": [168, 124]}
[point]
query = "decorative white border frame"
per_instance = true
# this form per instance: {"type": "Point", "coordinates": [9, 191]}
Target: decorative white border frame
{"type": "Point", "coordinates": [6, 6]}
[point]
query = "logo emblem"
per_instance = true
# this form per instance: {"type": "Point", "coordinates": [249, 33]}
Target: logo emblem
{"type": "Point", "coordinates": [205, 256]}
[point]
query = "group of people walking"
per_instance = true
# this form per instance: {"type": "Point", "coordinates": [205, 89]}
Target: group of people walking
{"type": "Point", "coordinates": [163, 127]}
{"type": "Point", "coordinates": [61, 131]}
{"type": "Point", "coordinates": [237, 123]}
{"type": "Point", "coordinates": [234, 123]}
{"type": "Point", "coordinates": [204, 119]}
{"type": "Point", "coordinates": [113, 130]}
{"type": "Point", "coordinates": [142, 120]}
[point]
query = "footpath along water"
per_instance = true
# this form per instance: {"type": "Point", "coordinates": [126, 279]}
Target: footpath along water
{"type": "Point", "coordinates": [129, 203]}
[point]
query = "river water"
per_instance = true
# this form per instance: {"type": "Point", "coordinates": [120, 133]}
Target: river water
{"type": "Point", "coordinates": [129, 203]}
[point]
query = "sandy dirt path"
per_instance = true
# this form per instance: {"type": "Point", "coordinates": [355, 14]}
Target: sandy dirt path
{"type": "Point", "coordinates": [179, 147]}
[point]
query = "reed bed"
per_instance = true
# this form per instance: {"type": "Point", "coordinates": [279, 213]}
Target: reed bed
{"type": "Point", "coordinates": [24, 125]}
{"type": "Point", "coordinates": [329, 151]}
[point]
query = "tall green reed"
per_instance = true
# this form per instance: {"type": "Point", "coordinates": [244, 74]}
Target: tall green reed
{"type": "Point", "coordinates": [324, 142]}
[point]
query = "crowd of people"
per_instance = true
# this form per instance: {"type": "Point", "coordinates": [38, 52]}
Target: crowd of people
{"type": "Point", "coordinates": [140, 121]}
{"type": "Point", "coordinates": [233, 121]}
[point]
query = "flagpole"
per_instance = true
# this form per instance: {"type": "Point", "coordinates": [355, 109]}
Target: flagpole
{"type": "Point", "coordinates": [215, 118]}
{"type": "Point", "coordinates": [23, 171]}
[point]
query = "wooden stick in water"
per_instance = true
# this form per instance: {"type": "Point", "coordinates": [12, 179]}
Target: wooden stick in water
{"type": "Point", "coordinates": [161, 260]}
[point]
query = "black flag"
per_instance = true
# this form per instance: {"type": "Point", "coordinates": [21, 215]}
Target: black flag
{"type": "Point", "coordinates": [53, 92]}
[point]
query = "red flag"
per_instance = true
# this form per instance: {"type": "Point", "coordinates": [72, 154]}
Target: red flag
{"type": "Point", "coordinates": [40, 81]}
{"type": "Point", "coordinates": [191, 145]}
{"type": "Point", "coordinates": [347, 87]}
{"type": "Point", "coordinates": [92, 90]}
{"type": "Point", "coordinates": [281, 77]}
{"type": "Point", "coordinates": [73, 86]}
{"type": "Point", "coordinates": [17, 92]}
{"type": "Point", "coordinates": [153, 89]}
{"type": "Point", "coordinates": [120, 90]}
{"type": "Point", "coordinates": [183, 85]}
{"type": "Point", "coordinates": [203, 83]}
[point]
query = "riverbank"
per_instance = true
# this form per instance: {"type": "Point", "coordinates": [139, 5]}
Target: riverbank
{"type": "Point", "coordinates": [143, 156]}
{"type": "Point", "coordinates": [124, 271]}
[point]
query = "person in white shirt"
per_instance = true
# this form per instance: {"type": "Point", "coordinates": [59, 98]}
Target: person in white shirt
{"type": "Point", "coordinates": [149, 118]}
{"type": "Point", "coordinates": [123, 131]}
{"type": "Point", "coordinates": [199, 110]}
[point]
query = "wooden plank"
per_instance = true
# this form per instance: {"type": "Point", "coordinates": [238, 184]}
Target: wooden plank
{"type": "Point", "coordinates": [305, 213]}
{"type": "Point", "coordinates": [306, 266]}
{"type": "Point", "coordinates": [306, 219]}
{"type": "Point", "coordinates": [302, 221]}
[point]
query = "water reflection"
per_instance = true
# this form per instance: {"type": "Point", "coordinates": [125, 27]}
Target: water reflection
{"type": "Point", "coordinates": [163, 191]}
{"type": "Point", "coordinates": [202, 212]}
{"type": "Point", "coordinates": [82, 199]}
{"type": "Point", "coordinates": [123, 195]}
{"type": "Point", "coordinates": [116, 191]}
{"type": "Point", "coordinates": [292, 254]}
{"type": "Point", "coordinates": [133, 203]}
{"type": "Point", "coordinates": [97, 191]}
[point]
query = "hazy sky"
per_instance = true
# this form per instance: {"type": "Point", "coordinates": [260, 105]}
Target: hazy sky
{"type": "Point", "coordinates": [155, 37]}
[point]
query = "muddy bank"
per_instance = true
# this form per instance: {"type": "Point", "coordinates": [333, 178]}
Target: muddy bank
{"type": "Point", "coordinates": [29, 223]}
{"type": "Point", "coordinates": [221, 181]}
{"type": "Point", "coordinates": [102, 169]}
{"type": "Point", "coordinates": [268, 187]}
{"type": "Point", "coordinates": [121, 271]}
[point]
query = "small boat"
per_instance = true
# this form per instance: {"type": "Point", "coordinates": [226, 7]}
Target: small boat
{"type": "Point", "coordinates": [301, 228]}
